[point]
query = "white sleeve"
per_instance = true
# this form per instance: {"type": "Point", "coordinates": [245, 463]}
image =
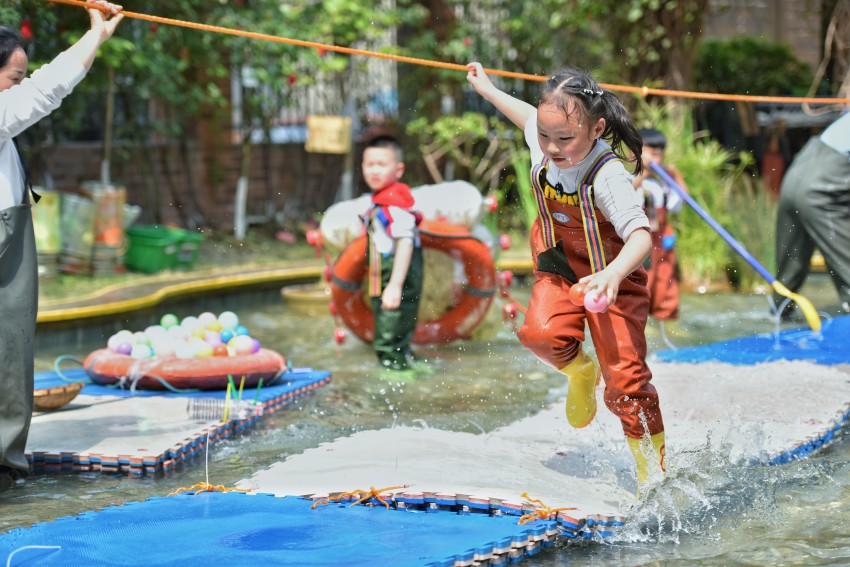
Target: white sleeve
{"type": "Point", "coordinates": [531, 141]}
{"type": "Point", "coordinates": [23, 105]}
{"type": "Point", "coordinates": [674, 201]}
{"type": "Point", "coordinates": [403, 223]}
{"type": "Point", "coordinates": [618, 200]}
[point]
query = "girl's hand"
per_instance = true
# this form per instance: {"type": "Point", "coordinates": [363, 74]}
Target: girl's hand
{"type": "Point", "coordinates": [605, 282]}
{"type": "Point", "coordinates": [104, 25]}
{"type": "Point", "coordinates": [478, 78]}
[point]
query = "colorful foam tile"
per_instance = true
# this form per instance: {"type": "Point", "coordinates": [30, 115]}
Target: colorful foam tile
{"type": "Point", "coordinates": [251, 529]}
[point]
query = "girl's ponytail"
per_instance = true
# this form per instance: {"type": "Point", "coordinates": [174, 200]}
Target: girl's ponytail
{"type": "Point", "coordinates": [621, 131]}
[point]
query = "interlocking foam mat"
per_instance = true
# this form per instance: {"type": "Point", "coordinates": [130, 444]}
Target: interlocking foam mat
{"type": "Point", "coordinates": [236, 529]}
{"type": "Point", "coordinates": [831, 346]}
{"type": "Point", "coordinates": [456, 497]}
{"type": "Point", "coordinates": [145, 432]}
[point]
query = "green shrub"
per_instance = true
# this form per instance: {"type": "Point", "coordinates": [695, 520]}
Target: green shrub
{"type": "Point", "coordinates": [749, 65]}
{"type": "Point", "coordinates": [719, 182]}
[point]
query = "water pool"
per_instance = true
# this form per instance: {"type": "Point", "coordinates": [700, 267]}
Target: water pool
{"type": "Point", "coordinates": [794, 514]}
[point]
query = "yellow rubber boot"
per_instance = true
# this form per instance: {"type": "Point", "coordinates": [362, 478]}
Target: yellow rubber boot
{"type": "Point", "coordinates": [583, 376]}
{"type": "Point", "coordinates": [649, 454]}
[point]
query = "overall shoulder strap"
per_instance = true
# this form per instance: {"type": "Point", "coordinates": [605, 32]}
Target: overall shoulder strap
{"type": "Point", "coordinates": [546, 225]}
{"type": "Point", "coordinates": [588, 213]}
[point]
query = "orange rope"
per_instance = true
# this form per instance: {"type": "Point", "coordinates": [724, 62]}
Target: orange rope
{"type": "Point", "coordinates": [644, 91]}
{"type": "Point", "coordinates": [373, 493]}
{"type": "Point", "coordinates": [207, 487]}
{"type": "Point", "coordinates": [542, 513]}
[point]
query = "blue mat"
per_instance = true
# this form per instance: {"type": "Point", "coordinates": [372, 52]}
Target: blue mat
{"type": "Point", "coordinates": [237, 529]}
{"type": "Point", "coordinates": [290, 381]}
{"type": "Point", "coordinates": [828, 348]}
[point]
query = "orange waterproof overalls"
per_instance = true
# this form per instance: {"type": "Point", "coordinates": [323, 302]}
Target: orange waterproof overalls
{"type": "Point", "coordinates": [554, 327]}
{"type": "Point", "coordinates": [663, 272]}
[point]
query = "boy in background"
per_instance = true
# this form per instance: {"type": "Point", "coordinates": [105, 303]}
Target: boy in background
{"type": "Point", "coordinates": [660, 201]}
{"type": "Point", "coordinates": [394, 253]}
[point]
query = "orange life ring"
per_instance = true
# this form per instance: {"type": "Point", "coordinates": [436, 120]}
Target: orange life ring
{"type": "Point", "coordinates": [106, 367]}
{"type": "Point", "coordinates": [458, 323]}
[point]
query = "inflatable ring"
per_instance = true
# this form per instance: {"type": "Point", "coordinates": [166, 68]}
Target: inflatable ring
{"type": "Point", "coordinates": [106, 367]}
{"type": "Point", "coordinates": [458, 323]}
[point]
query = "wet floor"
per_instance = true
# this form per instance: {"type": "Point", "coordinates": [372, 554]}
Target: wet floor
{"type": "Point", "coordinates": [730, 513]}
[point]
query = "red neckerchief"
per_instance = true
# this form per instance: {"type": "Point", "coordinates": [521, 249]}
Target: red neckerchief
{"type": "Point", "coordinates": [395, 194]}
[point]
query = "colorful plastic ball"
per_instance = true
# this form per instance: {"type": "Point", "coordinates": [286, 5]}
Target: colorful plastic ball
{"type": "Point", "coordinates": [155, 331]}
{"type": "Point", "coordinates": [241, 330]}
{"type": "Point", "coordinates": [257, 346]}
{"type": "Point", "coordinates": [189, 322]}
{"type": "Point", "coordinates": [124, 348]}
{"type": "Point", "coordinates": [505, 241]}
{"type": "Point", "coordinates": [215, 326]}
{"type": "Point", "coordinates": [212, 338]}
{"type": "Point", "coordinates": [140, 338]}
{"type": "Point", "coordinates": [169, 320]}
{"type": "Point", "coordinates": [506, 278]}
{"type": "Point", "coordinates": [141, 351]}
{"type": "Point", "coordinates": [163, 348]}
{"type": "Point", "coordinates": [198, 332]}
{"type": "Point", "coordinates": [122, 336]}
{"type": "Point", "coordinates": [113, 342]}
{"type": "Point", "coordinates": [594, 304]}
{"type": "Point", "coordinates": [576, 293]}
{"type": "Point", "coordinates": [339, 335]}
{"type": "Point", "coordinates": [203, 349]}
{"type": "Point", "coordinates": [509, 311]}
{"type": "Point", "coordinates": [226, 335]}
{"type": "Point", "coordinates": [243, 344]}
{"type": "Point", "coordinates": [184, 350]}
{"type": "Point", "coordinates": [177, 333]}
{"type": "Point", "coordinates": [206, 318]}
{"type": "Point", "coordinates": [228, 319]}
{"type": "Point", "coordinates": [220, 350]}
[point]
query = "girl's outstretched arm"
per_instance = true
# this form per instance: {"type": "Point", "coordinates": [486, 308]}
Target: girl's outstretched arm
{"type": "Point", "coordinates": [516, 110]}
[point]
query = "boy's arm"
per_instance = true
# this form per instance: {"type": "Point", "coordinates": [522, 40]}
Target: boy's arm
{"type": "Point", "coordinates": [391, 296]}
{"type": "Point", "coordinates": [516, 110]}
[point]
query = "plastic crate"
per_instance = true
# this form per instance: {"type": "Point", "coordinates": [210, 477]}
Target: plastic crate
{"type": "Point", "coordinates": [189, 247]}
{"type": "Point", "coordinates": [152, 248]}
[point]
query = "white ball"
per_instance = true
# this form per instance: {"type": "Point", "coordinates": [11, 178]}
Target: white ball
{"type": "Point", "coordinates": [141, 351]}
{"type": "Point", "coordinates": [228, 319]}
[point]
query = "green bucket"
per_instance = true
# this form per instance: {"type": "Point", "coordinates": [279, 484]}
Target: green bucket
{"type": "Point", "coordinates": [152, 248]}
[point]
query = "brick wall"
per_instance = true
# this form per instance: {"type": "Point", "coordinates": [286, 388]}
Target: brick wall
{"type": "Point", "coordinates": [296, 183]}
{"type": "Point", "coordinates": [793, 22]}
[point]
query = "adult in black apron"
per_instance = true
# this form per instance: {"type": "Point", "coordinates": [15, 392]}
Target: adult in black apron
{"type": "Point", "coordinates": [18, 309]}
{"type": "Point", "coordinates": [23, 101]}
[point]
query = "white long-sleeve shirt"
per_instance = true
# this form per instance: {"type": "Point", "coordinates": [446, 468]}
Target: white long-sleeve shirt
{"type": "Point", "coordinates": [613, 192]}
{"type": "Point", "coordinates": [23, 105]}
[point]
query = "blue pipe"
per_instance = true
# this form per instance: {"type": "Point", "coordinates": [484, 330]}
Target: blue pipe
{"type": "Point", "coordinates": [713, 223]}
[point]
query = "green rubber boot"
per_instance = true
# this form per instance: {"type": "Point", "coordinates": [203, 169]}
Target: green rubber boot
{"type": "Point", "coordinates": [583, 376]}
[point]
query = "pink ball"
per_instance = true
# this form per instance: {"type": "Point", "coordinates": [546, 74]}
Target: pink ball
{"type": "Point", "coordinates": [595, 305]}
{"type": "Point", "coordinates": [257, 345]}
{"type": "Point", "coordinates": [243, 344]}
{"type": "Point", "coordinates": [213, 338]}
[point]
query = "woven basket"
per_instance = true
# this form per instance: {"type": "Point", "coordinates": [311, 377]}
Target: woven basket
{"type": "Point", "coordinates": [48, 399]}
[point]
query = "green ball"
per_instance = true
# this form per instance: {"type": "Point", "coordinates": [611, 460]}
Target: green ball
{"type": "Point", "coordinates": [169, 320]}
